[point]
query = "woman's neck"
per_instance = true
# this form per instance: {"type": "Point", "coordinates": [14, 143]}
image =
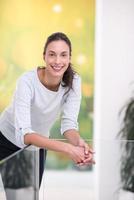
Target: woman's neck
{"type": "Point", "coordinates": [52, 83]}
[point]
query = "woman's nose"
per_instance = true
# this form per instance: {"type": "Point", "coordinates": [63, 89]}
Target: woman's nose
{"type": "Point", "coordinates": [57, 59]}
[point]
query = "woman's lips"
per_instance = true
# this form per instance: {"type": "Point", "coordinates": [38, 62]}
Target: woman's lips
{"type": "Point", "coordinates": [57, 68]}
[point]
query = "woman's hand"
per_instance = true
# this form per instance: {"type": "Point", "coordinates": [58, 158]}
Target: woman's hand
{"type": "Point", "coordinates": [76, 153]}
{"type": "Point", "coordinates": [74, 138]}
{"type": "Point", "coordinates": [88, 151]}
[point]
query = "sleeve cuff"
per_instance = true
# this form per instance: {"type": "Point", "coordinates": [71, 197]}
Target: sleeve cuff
{"type": "Point", "coordinates": [66, 128]}
{"type": "Point", "coordinates": [20, 136]}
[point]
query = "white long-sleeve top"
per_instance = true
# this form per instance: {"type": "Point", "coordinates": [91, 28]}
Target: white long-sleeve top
{"type": "Point", "coordinates": [34, 108]}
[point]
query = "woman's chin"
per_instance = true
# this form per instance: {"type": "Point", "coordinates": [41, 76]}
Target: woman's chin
{"type": "Point", "coordinates": [57, 73]}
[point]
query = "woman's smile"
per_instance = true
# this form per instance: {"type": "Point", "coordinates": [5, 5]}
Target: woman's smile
{"type": "Point", "coordinates": [57, 68]}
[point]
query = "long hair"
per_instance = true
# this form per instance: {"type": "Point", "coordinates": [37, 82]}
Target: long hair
{"type": "Point", "coordinates": [68, 76]}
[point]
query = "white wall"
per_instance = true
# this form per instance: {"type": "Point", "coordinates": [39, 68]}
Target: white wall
{"type": "Point", "coordinates": [114, 73]}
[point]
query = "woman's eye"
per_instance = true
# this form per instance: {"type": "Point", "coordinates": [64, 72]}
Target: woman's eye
{"type": "Point", "coordinates": [64, 55]}
{"type": "Point", "coordinates": [51, 54]}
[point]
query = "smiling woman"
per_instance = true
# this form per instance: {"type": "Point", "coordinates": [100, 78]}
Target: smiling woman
{"type": "Point", "coordinates": [40, 95]}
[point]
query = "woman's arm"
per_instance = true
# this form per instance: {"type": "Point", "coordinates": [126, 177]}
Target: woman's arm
{"type": "Point", "coordinates": [72, 136]}
{"type": "Point", "coordinates": [76, 153]}
{"type": "Point", "coordinates": [69, 120]}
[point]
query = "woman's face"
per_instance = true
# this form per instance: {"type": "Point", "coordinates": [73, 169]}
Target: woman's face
{"type": "Point", "coordinates": [57, 58]}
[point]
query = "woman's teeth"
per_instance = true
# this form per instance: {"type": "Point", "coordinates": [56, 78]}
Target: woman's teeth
{"type": "Point", "coordinates": [57, 68]}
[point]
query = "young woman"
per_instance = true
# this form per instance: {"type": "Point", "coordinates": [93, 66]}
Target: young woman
{"type": "Point", "coordinates": [40, 95]}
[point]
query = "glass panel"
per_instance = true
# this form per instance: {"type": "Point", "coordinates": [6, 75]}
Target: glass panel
{"type": "Point", "coordinates": [19, 176]}
{"type": "Point", "coordinates": [111, 178]}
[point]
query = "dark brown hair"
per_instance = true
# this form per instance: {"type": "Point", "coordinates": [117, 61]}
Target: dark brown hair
{"type": "Point", "coordinates": [69, 73]}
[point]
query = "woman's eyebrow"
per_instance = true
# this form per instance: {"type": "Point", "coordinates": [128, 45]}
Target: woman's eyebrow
{"type": "Point", "coordinates": [64, 52]}
{"type": "Point", "coordinates": [51, 51]}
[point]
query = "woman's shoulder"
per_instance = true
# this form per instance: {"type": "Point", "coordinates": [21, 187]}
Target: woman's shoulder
{"type": "Point", "coordinates": [77, 79]}
{"type": "Point", "coordinates": [27, 80]}
{"type": "Point", "coordinates": [77, 76]}
{"type": "Point", "coordinates": [27, 76]}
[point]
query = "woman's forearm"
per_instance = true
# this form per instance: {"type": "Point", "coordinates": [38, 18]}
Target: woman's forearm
{"type": "Point", "coordinates": [72, 136]}
{"type": "Point", "coordinates": [44, 142]}
{"type": "Point", "coordinates": [75, 153]}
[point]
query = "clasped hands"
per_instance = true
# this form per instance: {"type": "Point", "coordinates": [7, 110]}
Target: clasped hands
{"type": "Point", "coordinates": [87, 152]}
{"type": "Point", "coordinates": [82, 154]}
